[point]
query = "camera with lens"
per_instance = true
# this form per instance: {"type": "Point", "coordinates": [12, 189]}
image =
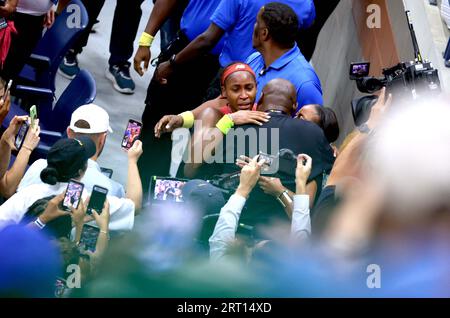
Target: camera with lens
{"type": "Point", "coordinates": [406, 81]}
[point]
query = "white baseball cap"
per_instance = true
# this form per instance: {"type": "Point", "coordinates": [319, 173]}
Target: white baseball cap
{"type": "Point", "coordinates": [95, 116]}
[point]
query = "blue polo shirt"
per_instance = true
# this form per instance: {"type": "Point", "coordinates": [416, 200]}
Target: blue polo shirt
{"type": "Point", "coordinates": [293, 67]}
{"type": "Point", "coordinates": [238, 17]}
{"type": "Point", "coordinates": [196, 19]}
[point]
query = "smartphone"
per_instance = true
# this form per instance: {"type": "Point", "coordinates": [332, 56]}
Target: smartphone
{"type": "Point", "coordinates": [270, 165]}
{"type": "Point", "coordinates": [97, 200]}
{"type": "Point", "coordinates": [107, 172]}
{"type": "Point", "coordinates": [166, 189]}
{"type": "Point", "coordinates": [131, 134]}
{"type": "Point", "coordinates": [20, 137]}
{"type": "Point", "coordinates": [89, 236]}
{"type": "Point", "coordinates": [72, 197]}
{"type": "Point", "coordinates": [7, 89]}
{"type": "Point", "coordinates": [33, 115]}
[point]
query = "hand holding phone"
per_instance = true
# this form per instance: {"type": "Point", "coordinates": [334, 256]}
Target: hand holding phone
{"type": "Point", "coordinates": [72, 196]}
{"type": "Point", "coordinates": [132, 133]}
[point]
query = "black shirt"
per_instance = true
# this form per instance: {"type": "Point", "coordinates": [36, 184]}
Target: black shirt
{"type": "Point", "coordinates": [281, 132]}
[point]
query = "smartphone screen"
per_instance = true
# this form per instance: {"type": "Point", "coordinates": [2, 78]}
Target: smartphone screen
{"type": "Point", "coordinates": [72, 197]}
{"type": "Point", "coordinates": [97, 200]}
{"type": "Point", "coordinates": [33, 115]}
{"type": "Point", "coordinates": [18, 142]}
{"type": "Point", "coordinates": [270, 163]}
{"type": "Point", "coordinates": [107, 172]}
{"type": "Point", "coordinates": [89, 236]}
{"type": "Point", "coordinates": [168, 189]}
{"type": "Point", "coordinates": [132, 133]}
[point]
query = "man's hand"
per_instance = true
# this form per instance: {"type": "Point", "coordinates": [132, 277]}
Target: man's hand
{"type": "Point", "coordinates": [143, 54]}
{"type": "Point", "coordinates": [378, 110]}
{"type": "Point", "coordinates": [102, 219]}
{"type": "Point", "coordinates": [52, 211]}
{"type": "Point", "coordinates": [271, 186]}
{"type": "Point", "coordinates": [49, 19]}
{"type": "Point", "coordinates": [168, 124]}
{"type": "Point", "coordinates": [10, 133]}
{"type": "Point", "coordinates": [4, 107]}
{"type": "Point", "coordinates": [32, 138]}
{"type": "Point", "coordinates": [249, 176]}
{"type": "Point", "coordinates": [304, 165]}
{"type": "Point", "coordinates": [163, 72]}
{"type": "Point", "coordinates": [135, 152]}
{"type": "Point", "coordinates": [243, 117]}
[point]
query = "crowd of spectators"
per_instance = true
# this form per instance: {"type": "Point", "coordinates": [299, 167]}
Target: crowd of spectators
{"type": "Point", "coordinates": [264, 203]}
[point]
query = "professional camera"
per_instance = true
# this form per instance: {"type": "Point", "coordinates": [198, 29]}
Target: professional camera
{"type": "Point", "coordinates": [406, 81]}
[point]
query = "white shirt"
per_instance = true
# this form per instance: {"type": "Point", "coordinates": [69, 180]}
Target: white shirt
{"type": "Point", "coordinates": [93, 176]}
{"type": "Point", "coordinates": [226, 226]}
{"type": "Point", "coordinates": [34, 7]}
{"type": "Point", "coordinates": [13, 210]}
{"type": "Point", "coordinates": [301, 220]}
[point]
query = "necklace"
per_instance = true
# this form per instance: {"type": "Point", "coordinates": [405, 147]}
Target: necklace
{"type": "Point", "coordinates": [275, 111]}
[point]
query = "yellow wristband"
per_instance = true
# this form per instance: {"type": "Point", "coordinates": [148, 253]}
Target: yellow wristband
{"type": "Point", "coordinates": [225, 124]}
{"type": "Point", "coordinates": [146, 39]}
{"type": "Point", "coordinates": [188, 119]}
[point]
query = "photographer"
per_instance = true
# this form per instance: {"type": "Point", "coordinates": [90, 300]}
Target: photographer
{"type": "Point", "coordinates": [9, 180]}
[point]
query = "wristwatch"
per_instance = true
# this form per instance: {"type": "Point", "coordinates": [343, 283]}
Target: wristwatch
{"type": "Point", "coordinates": [285, 195]}
{"type": "Point", "coordinates": [364, 129]}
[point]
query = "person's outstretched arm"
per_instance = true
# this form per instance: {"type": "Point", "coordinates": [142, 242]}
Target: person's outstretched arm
{"type": "Point", "coordinates": [225, 229]}
{"type": "Point", "coordinates": [162, 9]}
{"type": "Point", "coordinates": [7, 142]}
{"type": "Point", "coordinates": [11, 179]}
{"type": "Point", "coordinates": [134, 185]}
{"type": "Point", "coordinates": [202, 44]}
{"type": "Point", "coordinates": [301, 220]}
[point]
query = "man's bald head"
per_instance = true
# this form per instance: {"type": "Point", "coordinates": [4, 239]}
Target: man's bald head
{"type": "Point", "coordinates": [278, 94]}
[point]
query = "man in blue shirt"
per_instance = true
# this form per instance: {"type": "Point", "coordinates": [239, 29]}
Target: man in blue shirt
{"type": "Point", "coordinates": [234, 19]}
{"type": "Point", "coordinates": [278, 55]}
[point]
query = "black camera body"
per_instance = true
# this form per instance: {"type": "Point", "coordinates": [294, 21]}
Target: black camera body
{"type": "Point", "coordinates": [408, 79]}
